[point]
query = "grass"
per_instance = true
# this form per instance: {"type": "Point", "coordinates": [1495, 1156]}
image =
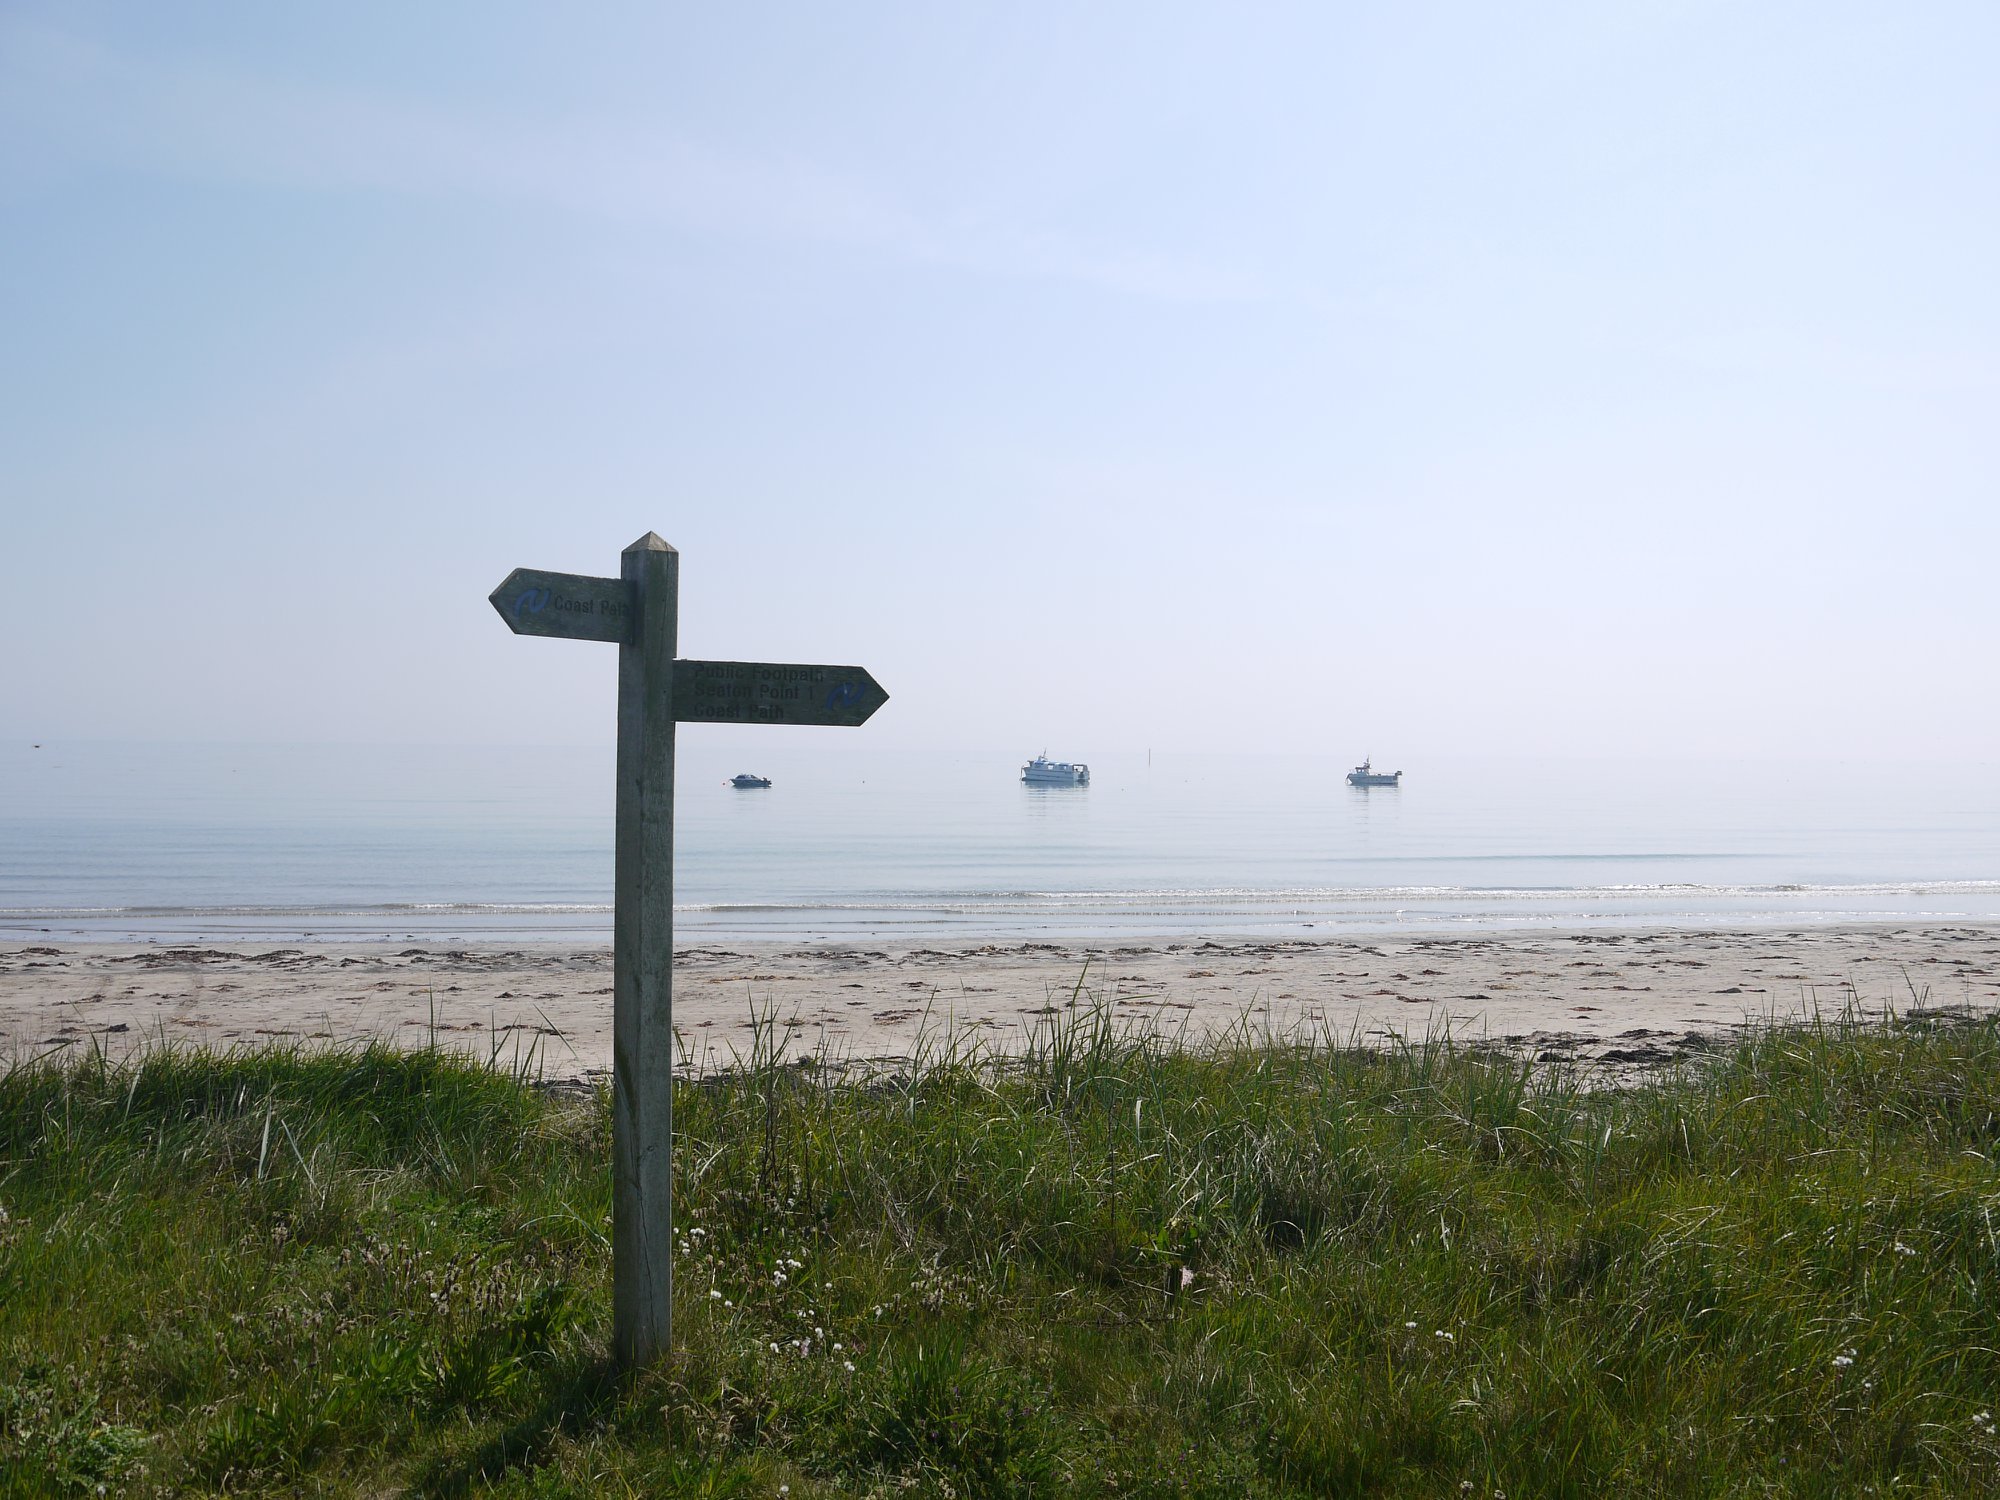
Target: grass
{"type": "Point", "coordinates": [1112, 1267]}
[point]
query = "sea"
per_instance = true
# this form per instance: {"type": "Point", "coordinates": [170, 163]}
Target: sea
{"type": "Point", "coordinates": [290, 843]}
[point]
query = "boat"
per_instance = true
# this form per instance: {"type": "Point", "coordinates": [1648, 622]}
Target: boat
{"type": "Point", "coordinates": [1041, 771]}
{"type": "Point", "coordinates": [747, 780]}
{"type": "Point", "coordinates": [1365, 774]}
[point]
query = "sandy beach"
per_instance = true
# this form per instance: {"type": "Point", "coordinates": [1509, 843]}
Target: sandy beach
{"type": "Point", "coordinates": [1616, 1000]}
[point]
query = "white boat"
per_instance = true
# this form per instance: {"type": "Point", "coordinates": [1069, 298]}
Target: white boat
{"type": "Point", "coordinates": [1365, 774]}
{"type": "Point", "coordinates": [1041, 771]}
{"type": "Point", "coordinates": [747, 780]}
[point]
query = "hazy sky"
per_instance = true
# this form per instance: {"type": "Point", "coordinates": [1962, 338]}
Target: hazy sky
{"type": "Point", "coordinates": [1407, 379]}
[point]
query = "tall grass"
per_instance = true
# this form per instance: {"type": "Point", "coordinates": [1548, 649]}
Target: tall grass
{"type": "Point", "coordinates": [1111, 1266]}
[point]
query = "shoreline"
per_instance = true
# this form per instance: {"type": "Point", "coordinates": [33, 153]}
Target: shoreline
{"type": "Point", "coordinates": [1070, 918]}
{"type": "Point", "coordinates": [1613, 999]}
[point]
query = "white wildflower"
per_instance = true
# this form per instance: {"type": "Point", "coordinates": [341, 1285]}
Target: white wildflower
{"type": "Point", "coordinates": [714, 1295]}
{"type": "Point", "coordinates": [1847, 1357]}
{"type": "Point", "coordinates": [847, 1365]}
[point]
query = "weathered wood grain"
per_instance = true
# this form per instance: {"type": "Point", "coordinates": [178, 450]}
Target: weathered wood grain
{"type": "Point", "coordinates": [769, 692]}
{"type": "Point", "coordinates": [571, 605]}
{"type": "Point", "coordinates": [642, 1100]}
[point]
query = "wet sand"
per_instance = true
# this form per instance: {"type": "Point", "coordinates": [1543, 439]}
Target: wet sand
{"type": "Point", "coordinates": [1613, 1000]}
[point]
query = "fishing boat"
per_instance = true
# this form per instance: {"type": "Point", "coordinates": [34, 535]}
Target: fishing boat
{"type": "Point", "coordinates": [746, 780]}
{"type": "Point", "coordinates": [1041, 771]}
{"type": "Point", "coordinates": [1365, 774]}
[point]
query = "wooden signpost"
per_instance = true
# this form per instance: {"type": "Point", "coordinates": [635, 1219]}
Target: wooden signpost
{"type": "Point", "coordinates": [638, 611]}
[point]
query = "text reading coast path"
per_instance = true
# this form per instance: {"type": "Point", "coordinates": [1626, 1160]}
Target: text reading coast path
{"type": "Point", "coordinates": [749, 692]}
{"type": "Point", "coordinates": [638, 611]}
{"type": "Point", "coordinates": [565, 604]}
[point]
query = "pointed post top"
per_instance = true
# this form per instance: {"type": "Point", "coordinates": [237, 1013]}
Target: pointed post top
{"type": "Point", "coordinates": [650, 542]}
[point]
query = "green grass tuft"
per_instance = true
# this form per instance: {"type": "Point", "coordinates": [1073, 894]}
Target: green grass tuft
{"type": "Point", "coordinates": [1110, 1267]}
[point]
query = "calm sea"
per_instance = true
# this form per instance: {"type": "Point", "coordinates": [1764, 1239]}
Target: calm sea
{"type": "Point", "coordinates": [223, 842]}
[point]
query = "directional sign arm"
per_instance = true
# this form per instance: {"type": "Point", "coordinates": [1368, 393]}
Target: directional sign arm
{"type": "Point", "coordinates": [570, 605]}
{"type": "Point", "coordinates": [770, 692]}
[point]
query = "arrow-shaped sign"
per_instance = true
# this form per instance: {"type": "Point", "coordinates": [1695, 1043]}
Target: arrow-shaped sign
{"type": "Point", "coordinates": [571, 605]}
{"type": "Point", "coordinates": [773, 692]}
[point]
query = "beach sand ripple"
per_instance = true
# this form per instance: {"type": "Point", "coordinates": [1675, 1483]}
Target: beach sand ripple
{"type": "Point", "coordinates": [1615, 1001]}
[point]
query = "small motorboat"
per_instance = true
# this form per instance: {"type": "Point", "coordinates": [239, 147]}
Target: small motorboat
{"type": "Point", "coordinates": [1365, 774]}
{"type": "Point", "coordinates": [746, 781]}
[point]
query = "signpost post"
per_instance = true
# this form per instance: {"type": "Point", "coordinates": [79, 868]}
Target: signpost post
{"type": "Point", "coordinates": [638, 610]}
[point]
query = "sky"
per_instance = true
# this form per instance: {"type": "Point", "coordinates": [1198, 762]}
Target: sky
{"type": "Point", "coordinates": [1409, 380]}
